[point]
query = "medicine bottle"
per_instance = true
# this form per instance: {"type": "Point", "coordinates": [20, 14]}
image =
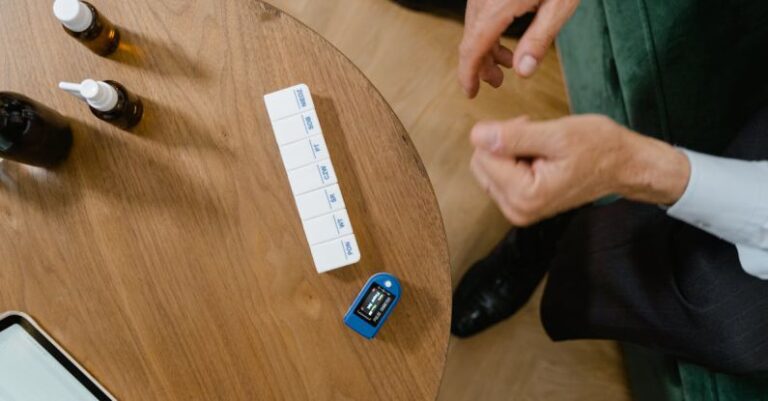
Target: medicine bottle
{"type": "Point", "coordinates": [82, 21]}
{"type": "Point", "coordinates": [109, 101]}
{"type": "Point", "coordinates": [32, 133]}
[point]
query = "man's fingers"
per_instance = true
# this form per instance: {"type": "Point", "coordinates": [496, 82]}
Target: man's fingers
{"type": "Point", "coordinates": [485, 182]}
{"type": "Point", "coordinates": [505, 180]}
{"type": "Point", "coordinates": [539, 36]}
{"type": "Point", "coordinates": [502, 172]}
{"type": "Point", "coordinates": [480, 36]}
{"type": "Point", "coordinates": [502, 55]}
{"type": "Point", "coordinates": [517, 138]}
{"type": "Point", "coordinates": [468, 77]}
{"type": "Point", "coordinates": [491, 73]}
{"type": "Point", "coordinates": [480, 175]}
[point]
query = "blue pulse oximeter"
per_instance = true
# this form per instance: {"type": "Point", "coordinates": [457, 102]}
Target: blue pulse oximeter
{"type": "Point", "coordinates": [373, 305]}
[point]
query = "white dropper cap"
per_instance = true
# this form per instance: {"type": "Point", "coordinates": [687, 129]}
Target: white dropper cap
{"type": "Point", "coordinates": [99, 95]}
{"type": "Point", "coordinates": [73, 14]}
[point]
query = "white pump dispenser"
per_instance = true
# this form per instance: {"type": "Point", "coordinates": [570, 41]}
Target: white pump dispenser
{"type": "Point", "coordinates": [99, 95]}
{"type": "Point", "coordinates": [73, 14]}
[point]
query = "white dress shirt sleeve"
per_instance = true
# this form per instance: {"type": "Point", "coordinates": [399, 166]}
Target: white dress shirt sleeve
{"type": "Point", "coordinates": [729, 199]}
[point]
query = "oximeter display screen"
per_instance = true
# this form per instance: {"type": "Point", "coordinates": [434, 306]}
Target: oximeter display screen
{"type": "Point", "coordinates": [374, 304]}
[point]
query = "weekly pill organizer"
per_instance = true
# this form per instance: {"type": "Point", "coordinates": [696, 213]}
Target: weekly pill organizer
{"type": "Point", "coordinates": [312, 178]}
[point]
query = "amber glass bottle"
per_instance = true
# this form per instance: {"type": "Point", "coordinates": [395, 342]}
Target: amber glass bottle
{"type": "Point", "coordinates": [32, 133]}
{"type": "Point", "coordinates": [127, 112]}
{"type": "Point", "coordinates": [83, 22]}
{"type": "Point", "coordinates": [108, 101]}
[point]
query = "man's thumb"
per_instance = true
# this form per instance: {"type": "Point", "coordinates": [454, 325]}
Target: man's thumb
{"type": "Point", "coordinates": [537, 39]}
{"type": "Point", "coordinates": [512, 138]}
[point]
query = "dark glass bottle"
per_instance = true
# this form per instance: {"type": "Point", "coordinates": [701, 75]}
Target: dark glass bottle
{"type": "Point", "coordinates": [100, 36]}
{"type": "Point", "coordinates": [32, 133]}
{"type": "Point", "coordinates": [128, 111]}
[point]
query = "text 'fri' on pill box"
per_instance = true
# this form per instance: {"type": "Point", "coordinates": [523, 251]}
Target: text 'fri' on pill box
{"type": "Point", "coordinates": [312, 178]}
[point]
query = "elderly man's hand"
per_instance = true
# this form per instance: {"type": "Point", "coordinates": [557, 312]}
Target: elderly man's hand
{"type": "Point", "coordinates": [534, 170]}
{"type": "Point", "coordinates": [481, 54]}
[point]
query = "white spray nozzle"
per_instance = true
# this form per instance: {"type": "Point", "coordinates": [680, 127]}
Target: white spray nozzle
{"type": "Point", "coordinates": [73, 14]}
{"type": "Point", "coordinates": [72, 88]}
{"type": "Point", "coordinates": [99, 95]}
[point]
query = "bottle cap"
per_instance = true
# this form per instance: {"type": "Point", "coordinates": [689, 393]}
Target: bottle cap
{"type": "Point", "coordinates": [73, 14]}
{"type": "Point", "coordinates": [99, 95]}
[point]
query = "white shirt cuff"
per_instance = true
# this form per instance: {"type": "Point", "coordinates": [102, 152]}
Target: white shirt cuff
{"type": "Point", "coordinates": [754, 261]}
{"type": "Point", "coordinates": [729, 199]}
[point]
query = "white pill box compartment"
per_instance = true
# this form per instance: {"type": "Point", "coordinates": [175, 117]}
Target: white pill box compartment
{"type": "Point", "coordinates": [312, 178]}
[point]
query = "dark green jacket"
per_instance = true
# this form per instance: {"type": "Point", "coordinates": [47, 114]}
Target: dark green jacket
{"type": "Point", "coordinates": [688, 72]}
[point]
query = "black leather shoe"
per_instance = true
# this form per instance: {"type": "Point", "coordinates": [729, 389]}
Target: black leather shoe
{"type": "Point", "coordinates": [454, 9]}
{"type": "Point", "coordinates": [499, 285]}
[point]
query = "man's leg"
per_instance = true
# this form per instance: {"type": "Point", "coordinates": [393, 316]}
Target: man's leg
{"type": "Point", "coordinates": [628, 272]}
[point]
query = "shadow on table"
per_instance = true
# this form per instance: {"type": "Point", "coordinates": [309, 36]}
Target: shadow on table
{"type": "Point", "coordinates": [141, 51]}
{"type": "Point", "coordinates": [46, 189]}
{"type": "Point", "coordinates": [175, 127]}
{"type": "Point", "coordinates": [112, 164]}
{"type": "Point", "coordinates": [115, 165]}
{"type": "Point", "coordinates": [404, 330]}
{"type": "Point", "coordinates": [335, 137]}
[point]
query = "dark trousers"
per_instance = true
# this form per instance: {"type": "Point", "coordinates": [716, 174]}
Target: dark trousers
{"type": "Point", "coordinates": [628, 272]}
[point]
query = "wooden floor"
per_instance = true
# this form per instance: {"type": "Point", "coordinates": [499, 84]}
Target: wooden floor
{"type": "Point", "coordinates": [411, 59]}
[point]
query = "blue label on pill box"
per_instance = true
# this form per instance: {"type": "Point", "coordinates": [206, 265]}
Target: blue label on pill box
{"type": "Point", "coordinates": [325, 173]}
{"type": "Point", "coordinates": [300, 98]}
{"type": "Point", "coordinates": [308, 122]}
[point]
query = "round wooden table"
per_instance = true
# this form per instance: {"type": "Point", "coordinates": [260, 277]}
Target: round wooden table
{"type": "Point", "coordinates": [171, 261]}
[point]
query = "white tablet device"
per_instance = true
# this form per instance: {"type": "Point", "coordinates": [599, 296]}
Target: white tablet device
{"type": "Point", "coordinates": [33, 367]}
